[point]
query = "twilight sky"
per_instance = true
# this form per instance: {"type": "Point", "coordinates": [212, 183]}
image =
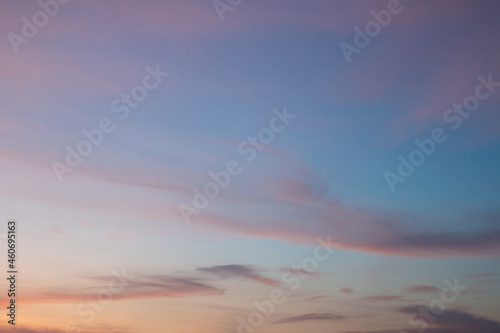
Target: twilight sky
{"type": "Point", "coordinates": [251, 166]}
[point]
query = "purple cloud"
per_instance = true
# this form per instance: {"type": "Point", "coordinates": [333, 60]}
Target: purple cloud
{"type": "Point", "coordinates": [310, 317]}
{"type": "Point", "coordinates": [456, 321]}
{"type": "Point", "coordinates": [241, 271]}
{"type": "Point", "coordinates": [419, 289]}
{"type": "Point", "coordinates": [480, 275]}
{"type": "Point", "coordinates": [346, 290]}
{"type": "Point", "coordinates": [380, 298]}
{"type": "Point", "coordinates": [143, 287]}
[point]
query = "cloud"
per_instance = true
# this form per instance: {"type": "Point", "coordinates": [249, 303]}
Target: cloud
{"type": "Point", "coordinates": [321, 298]}
{"type": "Point", "coordinates": [301, 272]}
{"type": "Point", "coordinates": [456, 321]}
{"type": "Point", "coordinates": [92, 329]}
{"type": "Point", "coordinates": [375, 232]}
{"type": "Point", "coordinates": [310, 317]}
{"type": "Point", "coordinates": [241, 271]}
{"type": "Point", "coordinates": [356, 228]}
{"type": "Point", "coordinates": [144, 287]}
{"type": "Point", "coordinates": [298, 190]}
{"type": "Point", "coordinates": [380, 298]}
{"type": "Point", "coordinates": [421, 289]}
{"type": "Point", "coordinates": [346, 290]}
{"type": "Point", "coordinates": [301, 215]}
{"type": "Point", "coordinates": [480, 275]}
{"type": "Point", "coordinates": [384, 331]}
{"type": "Point", "coordinates": [29, 330]}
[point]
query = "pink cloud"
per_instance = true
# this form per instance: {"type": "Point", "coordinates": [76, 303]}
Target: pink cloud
{"type": "Point", "coordinates": [346, 290]}
{"type": "Point", "coordinates": [421, 289]}
{"type": "Point", "coordinates": [380, 298]}
{"type": "Point", "coordinates": [240, 271]}
{"type": "Point", "coordinates": [480, 275]}
{"type": "Point", "coordinates": [144, 287]}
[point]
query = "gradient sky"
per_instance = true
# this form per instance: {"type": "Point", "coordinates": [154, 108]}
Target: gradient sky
{"type": "Point", "coordinates": [321, 176]}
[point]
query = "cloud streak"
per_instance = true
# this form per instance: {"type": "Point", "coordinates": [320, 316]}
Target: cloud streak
{"type": "Point", "coordinates": [457, 321]}
{"type": "Point", "coordinates": [144, 287]}
{"type": "Point", "coordinates": [310, 317]}
{"type": "Point", "coordinates": [386, 298]}
{"type": "Point", "coordinates": [419, 289]}
{"type": "Point", "coordinates": [346, 290]}
{"type": "Point", "coordinates": [239, 271]}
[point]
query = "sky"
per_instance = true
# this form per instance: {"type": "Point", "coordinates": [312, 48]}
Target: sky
{"type": "Point", "coordinates": [250, 166]}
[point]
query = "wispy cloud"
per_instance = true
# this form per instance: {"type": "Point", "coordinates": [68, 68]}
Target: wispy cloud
{"type": "Point", "coordinates": [346, 290]}
{"type": "Point", "coordinates": [239, 271]}
{"type": "Point", "coordinates": [310, 317]}
{"type": "Point", "coordinates": [90, 329]}
{"type": "Point", "coordinates": [386, 298]}
{"type": "Point", "coordinates": [301, 272]}
{"type": "Point", "coordinates": [144, 287]}
{"type": "Point", "coordinates": [419, 289]}
{"type": "Point", "coordinates": [480, 275]}
{"type": "Point", "coordinates": [457, 321]}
